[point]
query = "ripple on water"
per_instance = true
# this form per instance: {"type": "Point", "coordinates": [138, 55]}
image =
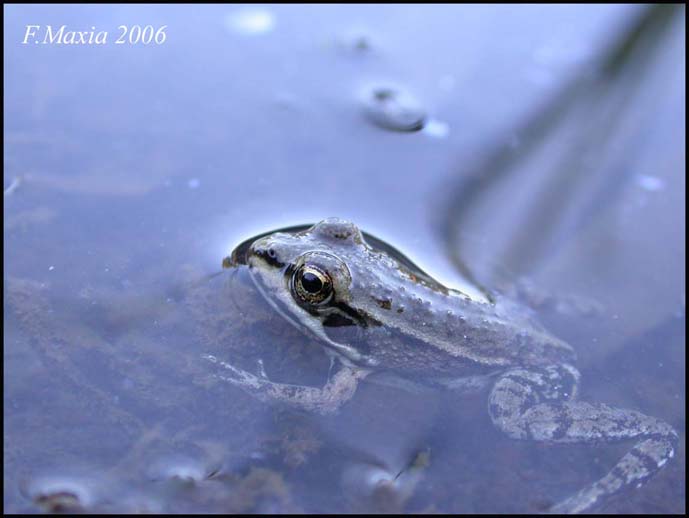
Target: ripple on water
{"type": "Point", "coordinates": [180, 467]}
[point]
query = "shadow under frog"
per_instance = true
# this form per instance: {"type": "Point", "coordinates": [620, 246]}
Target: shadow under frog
{"type": "Point", "coordinates": [380, 318]}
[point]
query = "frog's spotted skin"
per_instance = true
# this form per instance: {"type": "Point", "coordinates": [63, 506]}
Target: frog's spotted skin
{"type": "Point", "coordinates": [380, 314]}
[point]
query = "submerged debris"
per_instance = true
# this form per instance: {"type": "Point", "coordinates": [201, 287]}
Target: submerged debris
{"type": "Point", "coordinates": [394, 109]}
{"type": "Point", "coordinates": [60, 494]}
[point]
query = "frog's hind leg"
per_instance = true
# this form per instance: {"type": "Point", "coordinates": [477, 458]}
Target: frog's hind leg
{"type": "Point", "coordinates": [539, 404]}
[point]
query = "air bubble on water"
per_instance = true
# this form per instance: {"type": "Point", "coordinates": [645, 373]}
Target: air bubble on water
{"type": "Point", "coordinates": [650, 183]}
{"type": "Point", "coordinates": [436, 129]}
{"type": "Point", "coordinates": [177, 467]}
{"type": "Point", "coordinates": [250, 21]}
{"type": "Point", "coordinates": [375, 477]}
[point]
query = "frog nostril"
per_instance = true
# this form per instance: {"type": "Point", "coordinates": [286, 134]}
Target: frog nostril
{"type": "Point", "coordinates": [268, 254]}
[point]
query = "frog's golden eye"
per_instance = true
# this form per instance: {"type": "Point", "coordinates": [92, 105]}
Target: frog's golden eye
{"type": "Point", "coordinates": [312, 285]}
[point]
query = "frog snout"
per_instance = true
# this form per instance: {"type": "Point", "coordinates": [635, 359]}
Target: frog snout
{"type": "Point", "coordinates": [245, 252]}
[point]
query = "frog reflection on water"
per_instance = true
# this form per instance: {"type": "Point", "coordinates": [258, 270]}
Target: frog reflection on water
{"type": "Point", "coordinates": [375, 312]}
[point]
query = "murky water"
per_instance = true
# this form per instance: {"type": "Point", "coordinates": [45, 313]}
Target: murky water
{"type": "Point", "coordinates": [547, 150]}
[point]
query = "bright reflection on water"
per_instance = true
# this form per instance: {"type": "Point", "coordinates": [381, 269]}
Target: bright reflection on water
{"type": "Point", "coordinates": [132, 170]}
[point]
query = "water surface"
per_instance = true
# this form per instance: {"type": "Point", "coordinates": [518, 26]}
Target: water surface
{"type": "Point", "coordinates": [132, 170]}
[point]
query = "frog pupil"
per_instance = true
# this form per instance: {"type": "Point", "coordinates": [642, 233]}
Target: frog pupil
{"type": "Point", "coordinates": [311, 282]}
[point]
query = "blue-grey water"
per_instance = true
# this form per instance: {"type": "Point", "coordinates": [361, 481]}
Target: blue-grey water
{"type": "Point", "coordinates": [551, 154]}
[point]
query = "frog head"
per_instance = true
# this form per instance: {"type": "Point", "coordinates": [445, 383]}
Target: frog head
{"type": "Point", "coordinates": [307, 277]}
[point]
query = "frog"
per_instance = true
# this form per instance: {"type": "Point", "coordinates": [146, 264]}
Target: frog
{"type": "Point", "coordinates": [378, 315]}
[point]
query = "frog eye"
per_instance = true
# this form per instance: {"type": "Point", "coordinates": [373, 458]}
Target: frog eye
{"type": "Point", "coordinates": [312, 285]}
